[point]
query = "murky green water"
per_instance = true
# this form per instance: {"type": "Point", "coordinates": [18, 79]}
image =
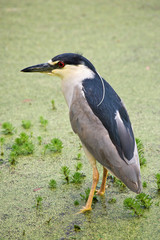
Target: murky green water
{"type": "Point", "coordinates": [121, 38]}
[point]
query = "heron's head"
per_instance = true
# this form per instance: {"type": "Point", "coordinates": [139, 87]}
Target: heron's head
{"type": "Point", "coordinates": [64, 65]}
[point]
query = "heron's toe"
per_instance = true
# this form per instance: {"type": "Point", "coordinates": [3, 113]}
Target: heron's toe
{"type": "Point", "coordinates": [85, 209]}
{"type": "Point", "coordinates": [100, 192]}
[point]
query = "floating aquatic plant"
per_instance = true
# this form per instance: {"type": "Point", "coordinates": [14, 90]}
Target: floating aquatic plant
{"type": "Point", "coordinates": [112, 200]}
{"type": "Point", "coordinates": [86, 195]}
{"type": "Point", "coordinates": [54, 146]}
{"type": "Point", "coordinates": [158, 181]}
{"type": "Point", "coordinates": [79, 166]}
{"type": "Point", "coordinates": [2, 140]}
{"type": "Point", "coordinates": [23, 145]}
{"type": "Point", "coordinates": [116, 182]}
{"type": "Point", "coordinates": [79, 155]}
{"type": "Point", "coordinates": [7, 128]}
{"type": "Point", "coordinates": [39, 200]}
{"type": "Point", "coordinates": [43, 122]}
{"type": "Point", "coordinates": [12, 158]}
{"type": "Point", "coordinates": [52, 184]}
{"type": "Point", "coordinates": [76, 202]}
{"type": "Point", "coordinates": [80, 146]}
{"type": "Point", "coordinates": [39, 138]}
{"type": "Point", "coordinates": [77, 177]}
{"type": "Point", "coordinates": [140, 148]}
{"type": "Point", "coordinates": [144, 184]}
{"type": "Point", "coordinates": [26, 124]}
{"type": "Point", "coordinates": [66, 173]}
{"type": "Point", "coordinates": [145, 200]}
{"type": "Point", "coordinates": [119, 184]}
{"type": "Point", "coordinates": [138, 204]}
{"type": "Point", "coordinates": [49, 220]}
{"type": "Point", "coordinates": [53, 104]}
{"type": "Point", "coordinates": [134, 205]}
{"type": "Point", "coordinates": [77, 228]}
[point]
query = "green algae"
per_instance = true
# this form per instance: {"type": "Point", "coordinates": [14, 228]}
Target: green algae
{"type": "Point", "coordinates": [121, 38]}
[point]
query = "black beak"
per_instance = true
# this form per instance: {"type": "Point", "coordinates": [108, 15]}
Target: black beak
{"type": "Point", "coordinates": [43, 68]}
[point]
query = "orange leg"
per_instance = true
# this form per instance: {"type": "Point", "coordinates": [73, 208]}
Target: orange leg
{"type": "Point", "coordinates": [93, 188]}
{"type": "Point", "coordinates": [101, 191]}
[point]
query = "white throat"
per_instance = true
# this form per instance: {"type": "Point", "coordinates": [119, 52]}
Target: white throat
{"type": "Point", "coordinates": [73, 76]}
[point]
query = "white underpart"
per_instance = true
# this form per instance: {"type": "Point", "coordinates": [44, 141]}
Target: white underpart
{"type": "Point", "coordinates": [121, 125]}
{"type": "Point", "coordinates": [72, 76]}
{"type": "Point", "coordinates": [90, 157]}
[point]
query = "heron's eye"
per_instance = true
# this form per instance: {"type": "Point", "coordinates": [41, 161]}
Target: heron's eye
{"type": "Point", "coordinates": [61, 64]}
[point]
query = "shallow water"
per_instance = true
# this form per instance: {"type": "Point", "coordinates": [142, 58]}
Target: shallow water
{"type": "Point", "coordinates": [122, 40]}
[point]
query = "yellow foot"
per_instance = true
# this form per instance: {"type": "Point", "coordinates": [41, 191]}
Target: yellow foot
{"type": "Point", "coordinates": [99, 192]}
{"type": "Point", "coordinates": [85, 209]}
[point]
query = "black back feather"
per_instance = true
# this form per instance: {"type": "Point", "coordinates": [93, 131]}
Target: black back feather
{"type": "Point", "coordinates": [106, 112]}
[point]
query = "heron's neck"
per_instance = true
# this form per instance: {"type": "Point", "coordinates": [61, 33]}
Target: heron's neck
{"type": "Point", "coordinates": [72, 79]}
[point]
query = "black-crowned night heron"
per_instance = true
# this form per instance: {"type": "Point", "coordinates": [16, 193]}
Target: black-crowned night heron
{"type": "Point", "coordinates": [100, 119]}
